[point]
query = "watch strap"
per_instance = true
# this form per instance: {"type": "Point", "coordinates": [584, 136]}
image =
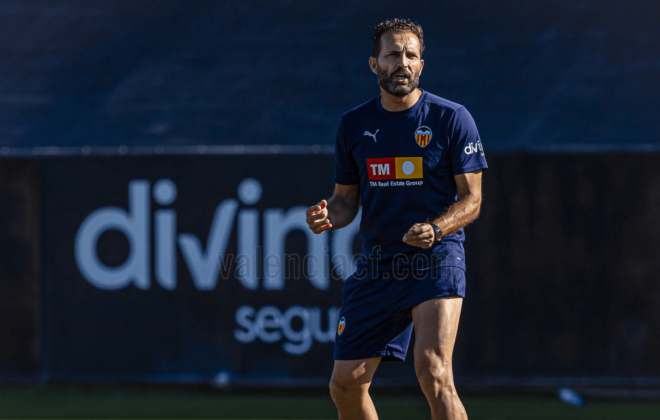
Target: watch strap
{"type": "Point", "coordinates": [436, 230]}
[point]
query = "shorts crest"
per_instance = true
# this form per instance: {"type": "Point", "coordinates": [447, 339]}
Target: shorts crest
{"type": "Point", "coordinates": [341, 326]}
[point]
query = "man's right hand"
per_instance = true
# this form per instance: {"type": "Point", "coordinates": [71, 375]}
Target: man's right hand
{"type": "Point", "coordinates": [317, 217]}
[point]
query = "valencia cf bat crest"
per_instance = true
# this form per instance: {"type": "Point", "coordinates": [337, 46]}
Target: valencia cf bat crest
{"type": "Point", "coordinates": [423, 136]}
{"type": "Point", "coordinates": [341, 326]}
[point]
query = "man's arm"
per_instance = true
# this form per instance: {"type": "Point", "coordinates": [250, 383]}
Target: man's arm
{"type": "Point", "coordinates": [460, 214]}
{"type": "Point", "coordinates": [341, 209]}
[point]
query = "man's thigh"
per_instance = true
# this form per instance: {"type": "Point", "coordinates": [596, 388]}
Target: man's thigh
{"type": "Point", "coordinates": [354, 372]}
{"type": "Point", "coordinates": [436, 324]}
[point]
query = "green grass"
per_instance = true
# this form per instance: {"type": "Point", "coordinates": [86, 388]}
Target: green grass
{"type": "Point", "coordinates": [186, 402]}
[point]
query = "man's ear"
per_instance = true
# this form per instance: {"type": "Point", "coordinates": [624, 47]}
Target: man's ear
{"type": "Point", "coordinates": [373, 64]}
{"type": "Point", "coordinates": [422, 67]}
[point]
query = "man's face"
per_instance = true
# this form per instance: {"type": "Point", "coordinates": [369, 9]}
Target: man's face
{"type": "Point", "coordinates": [399, 63]}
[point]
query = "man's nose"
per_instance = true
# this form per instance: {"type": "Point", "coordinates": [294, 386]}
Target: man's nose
{"type": "Point", "coordinates": [403, 61]}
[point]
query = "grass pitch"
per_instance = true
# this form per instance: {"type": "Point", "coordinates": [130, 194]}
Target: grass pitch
{"type": "Point", "coordinates": [186, 402]}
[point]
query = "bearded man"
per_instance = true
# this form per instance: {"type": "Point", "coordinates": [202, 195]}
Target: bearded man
{"type": "Point", "coordinates": [414, 162]}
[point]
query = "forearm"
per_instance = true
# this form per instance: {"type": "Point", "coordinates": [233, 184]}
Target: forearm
{"type": "Point", "coordinates": [460, 214]}
{"type": "Point", "coordinates": [341, 211]}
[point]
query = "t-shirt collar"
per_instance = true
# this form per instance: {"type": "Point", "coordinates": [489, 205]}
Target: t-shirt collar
{"type": "Point", "coordinates": [408, 111]}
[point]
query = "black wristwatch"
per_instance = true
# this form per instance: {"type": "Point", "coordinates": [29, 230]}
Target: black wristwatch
{"type": "Point", "coordinates": [437, 230]}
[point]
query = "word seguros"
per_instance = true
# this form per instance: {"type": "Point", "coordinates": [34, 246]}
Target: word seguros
{"type": "Point", "coordinates": [270, 325]}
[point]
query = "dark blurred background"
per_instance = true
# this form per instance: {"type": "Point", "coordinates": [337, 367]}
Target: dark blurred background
{"type": "Point", "coordinates": [541, 75]}
{"type": "Point", "coordinates": [234, 106]}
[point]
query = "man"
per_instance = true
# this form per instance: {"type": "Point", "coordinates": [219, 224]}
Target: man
{"type": "Point", "coordinates": [414, 161]}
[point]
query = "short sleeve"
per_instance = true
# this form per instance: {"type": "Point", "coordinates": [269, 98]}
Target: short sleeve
{"type": "Point", "coordinates": [467, 152]}
{"type": "Point", "coordinates": [346, 169]}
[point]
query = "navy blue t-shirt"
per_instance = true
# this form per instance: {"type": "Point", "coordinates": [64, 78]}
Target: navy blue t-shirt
{"type": "Point", "coordinates": [405, 163]}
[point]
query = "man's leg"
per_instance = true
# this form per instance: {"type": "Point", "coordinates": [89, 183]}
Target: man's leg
{"type": "Point", "coordinates": [436, 323]}
{"type": "Point", "coordinates": [349, 388]}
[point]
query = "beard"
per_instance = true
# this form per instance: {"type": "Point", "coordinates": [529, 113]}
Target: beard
{"type": "Point", "coordinates": [394, 86]}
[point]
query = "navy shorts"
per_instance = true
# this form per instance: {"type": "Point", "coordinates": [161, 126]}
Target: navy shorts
{"type": "Point", "coordinates": [375, 319]}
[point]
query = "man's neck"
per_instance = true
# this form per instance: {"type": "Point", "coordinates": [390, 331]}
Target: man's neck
{"type": "Point", "coordinates": [399, 103]}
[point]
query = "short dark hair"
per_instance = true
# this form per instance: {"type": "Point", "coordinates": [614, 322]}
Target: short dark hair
{"type": "Point", "coordinates": [402, 25]}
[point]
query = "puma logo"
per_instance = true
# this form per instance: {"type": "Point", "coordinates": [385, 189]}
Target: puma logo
{"type": "Point", "coordinates": [366, 133]}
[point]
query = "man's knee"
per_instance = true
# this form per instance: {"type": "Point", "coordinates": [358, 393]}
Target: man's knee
{"type": "Point", "coordinates": [351, 378]}
{"type": "Point", "coordinates": [343, 386]}
{"type": "Point", "coordinates": [336, 389]}
{"type": "Point", "coordinates": [435, 377]}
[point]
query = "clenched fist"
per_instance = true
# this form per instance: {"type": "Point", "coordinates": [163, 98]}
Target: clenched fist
{"type": "Point", "coordinates": [317, 217]}
{"type": "Point", "coordinates": [421, 235]}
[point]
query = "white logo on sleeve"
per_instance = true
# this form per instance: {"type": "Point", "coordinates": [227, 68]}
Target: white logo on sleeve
{"type": "Point", "coordinates": [366, 133]}
{"type": "Point", "coordinates": [474, 148]}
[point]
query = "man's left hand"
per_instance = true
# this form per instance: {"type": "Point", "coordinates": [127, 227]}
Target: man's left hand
{"type": "Point", "coordinates": [421, 235]}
